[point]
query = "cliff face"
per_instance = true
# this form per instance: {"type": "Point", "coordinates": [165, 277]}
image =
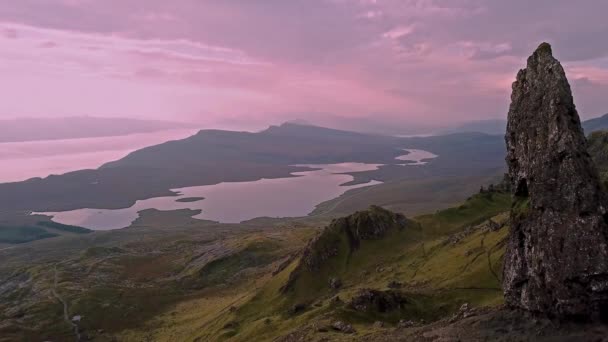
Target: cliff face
{"type": "Point", "coordinates": [557, 256]}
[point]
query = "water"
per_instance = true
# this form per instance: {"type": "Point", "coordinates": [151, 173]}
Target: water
{"type": "Point", "coordinates": [416, 157]}
{"type": "Point", "coordinates": [233, 202]}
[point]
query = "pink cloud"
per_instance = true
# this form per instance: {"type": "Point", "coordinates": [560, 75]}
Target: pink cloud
{"type": "Point", "coordinates": [10, 33]}
{"type": "Point", "coordinates": [406, 61]}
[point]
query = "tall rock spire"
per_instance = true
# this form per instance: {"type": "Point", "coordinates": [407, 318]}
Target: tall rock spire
{"type": "Point", "coordinates": [557, 255]}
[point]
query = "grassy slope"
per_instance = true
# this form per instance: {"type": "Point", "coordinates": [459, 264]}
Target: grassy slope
{"type": "Point", "coordinates": [439, 266]}
{"type": "Point", "coordinates": [409, 196]}
{"type": "Point", "coordinates": [123, 280]}
{"type": "Point", "coordinates": [210, 282]}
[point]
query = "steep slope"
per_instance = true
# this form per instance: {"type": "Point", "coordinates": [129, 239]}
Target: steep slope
{"type": "Point", "coordinates": [377, 266]}
{"type": "Point", "coordinates": [331, 251]}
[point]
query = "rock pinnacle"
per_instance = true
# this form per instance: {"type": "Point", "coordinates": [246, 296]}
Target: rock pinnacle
{"type": "Point", "coordinates": [557, 254]}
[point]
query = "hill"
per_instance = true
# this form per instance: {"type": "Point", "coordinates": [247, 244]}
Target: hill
{"type": "Point", "coordinates": [491, 126]}
{"type": "Point", "coordinates": [379, 274]}
{"type": "Point", "coordinates": [595, 124]}
{"type": "Point", "coordinates": [214, 156]}
{"type": "Point", "coordinates": [216, 280]}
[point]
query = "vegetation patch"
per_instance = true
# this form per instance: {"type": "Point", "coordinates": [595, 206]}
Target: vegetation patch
{"type": "Point", "coordinates": [189, 199]}
{"type": "Point", "coordinates": [64, 227]}
{"type": "Point", "coordinates": [23, 234]}
{"type": "Point", "coordinates": [228, 268]}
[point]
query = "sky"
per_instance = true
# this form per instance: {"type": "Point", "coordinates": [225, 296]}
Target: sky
{"type": "Point", "coordinates": [250, 63]}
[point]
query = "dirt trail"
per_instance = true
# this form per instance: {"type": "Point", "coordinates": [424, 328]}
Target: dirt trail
{"type": "Point", "coordinates": [66, 315]}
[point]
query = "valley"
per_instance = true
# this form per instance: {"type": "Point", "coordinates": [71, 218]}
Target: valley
{"type": "Point", "coordinates": [282, 197]}
{"type": "Point", "coordinates": [201, 271]}
{"type": "Point", "coordinates": [228, 168]}
{"type": "Point", "coordinates": [290, 234]}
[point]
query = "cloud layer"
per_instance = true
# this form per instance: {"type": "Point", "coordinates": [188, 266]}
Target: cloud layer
{"type": "Point", "coordinates": [243, 64]}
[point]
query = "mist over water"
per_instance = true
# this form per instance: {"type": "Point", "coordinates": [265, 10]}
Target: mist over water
{"type": "Point", "coordinates": [52, 157]}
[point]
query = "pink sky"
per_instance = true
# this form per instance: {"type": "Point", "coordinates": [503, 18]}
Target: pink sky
{"type": "Point", "coordinates": [244, 63]}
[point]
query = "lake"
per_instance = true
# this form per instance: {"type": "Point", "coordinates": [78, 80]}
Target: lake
{"type": "Point", "coordinates": [234, 202]}
{"type": "Point", "coordinates": [416, 157]}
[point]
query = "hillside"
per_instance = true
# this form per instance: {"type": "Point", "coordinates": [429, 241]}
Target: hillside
{"type": "Point", "coordinates": [226, 282]}
{"type": "Point", "coordinates": [490, 126]}
{"type": "Point", "coordinates": [209, 157]}
{"type": "Point", "coordinates": [595, 124]}
{"type": "Point", "coordinates": [212, 157]}
{"type": "Point", "coordinates": [385, 277]}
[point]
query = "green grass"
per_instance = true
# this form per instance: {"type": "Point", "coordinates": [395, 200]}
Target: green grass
{"type": "Point", "coordinates": [27, 228]}
{"type": "Point", "coordinates": [100, 251]}
{"type": "Point", "coordinates": [438, 271]}
{"type": "Point", "coordinates": [216, 289]}
{"type": "Point", "coordinates": [476, 209]}
{"type": "Point", "coordinates": [226, 269]}
{"type": "Point", "coordinates": [521, 206]}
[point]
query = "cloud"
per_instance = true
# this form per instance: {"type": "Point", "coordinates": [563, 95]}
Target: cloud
{"type": "Point", "coordinates": [10, 33]}
{"type": "Point", "coordinates": [398, 32]}
{"type": "Point", "coordinates": [429, 61]}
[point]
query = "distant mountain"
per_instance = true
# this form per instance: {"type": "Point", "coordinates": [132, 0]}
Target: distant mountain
{"type": "Point", "coordinates": [215, 156]}
{"type": "Point", "coordinates": [596, 124]}
{"type": "Point", "coordinates": [34, 129]}
{"type": "Point", "coordinates": [208, 157]}
{"type": "Point", "coordinates": [492, 126]}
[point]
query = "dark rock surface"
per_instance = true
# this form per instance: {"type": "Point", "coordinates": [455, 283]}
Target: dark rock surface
{"type": "Point", "coordinates": [557, 256]}
{"type": "Point", "coordinates": [335, 283]}
{"type": "Point", "coordinates": [343, 327]}
{"type": "Point", "coordinates": [369, 300]}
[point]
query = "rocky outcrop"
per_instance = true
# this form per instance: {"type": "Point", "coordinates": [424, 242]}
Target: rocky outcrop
{"type": "Point", "coordinates": [557, 256]}
{"type": "Point", "coordinates": [350, 231]}
{"type": "Point", "coordinates": [370, 300]}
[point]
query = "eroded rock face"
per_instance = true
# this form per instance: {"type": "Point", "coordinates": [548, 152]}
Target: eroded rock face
{"type": "Point", "coordinates": [345, 235]}
{"type": "Point", "coordinates": [557, 256]}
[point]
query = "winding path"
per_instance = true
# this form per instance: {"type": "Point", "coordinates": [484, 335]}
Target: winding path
{"type": "Point", "coordinates": [66, 315]}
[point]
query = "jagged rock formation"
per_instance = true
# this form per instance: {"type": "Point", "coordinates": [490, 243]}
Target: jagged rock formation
{"type": "Point", "coordinates": [557, 256]}
{"type": "Point", "coordinates": [349, 231]}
